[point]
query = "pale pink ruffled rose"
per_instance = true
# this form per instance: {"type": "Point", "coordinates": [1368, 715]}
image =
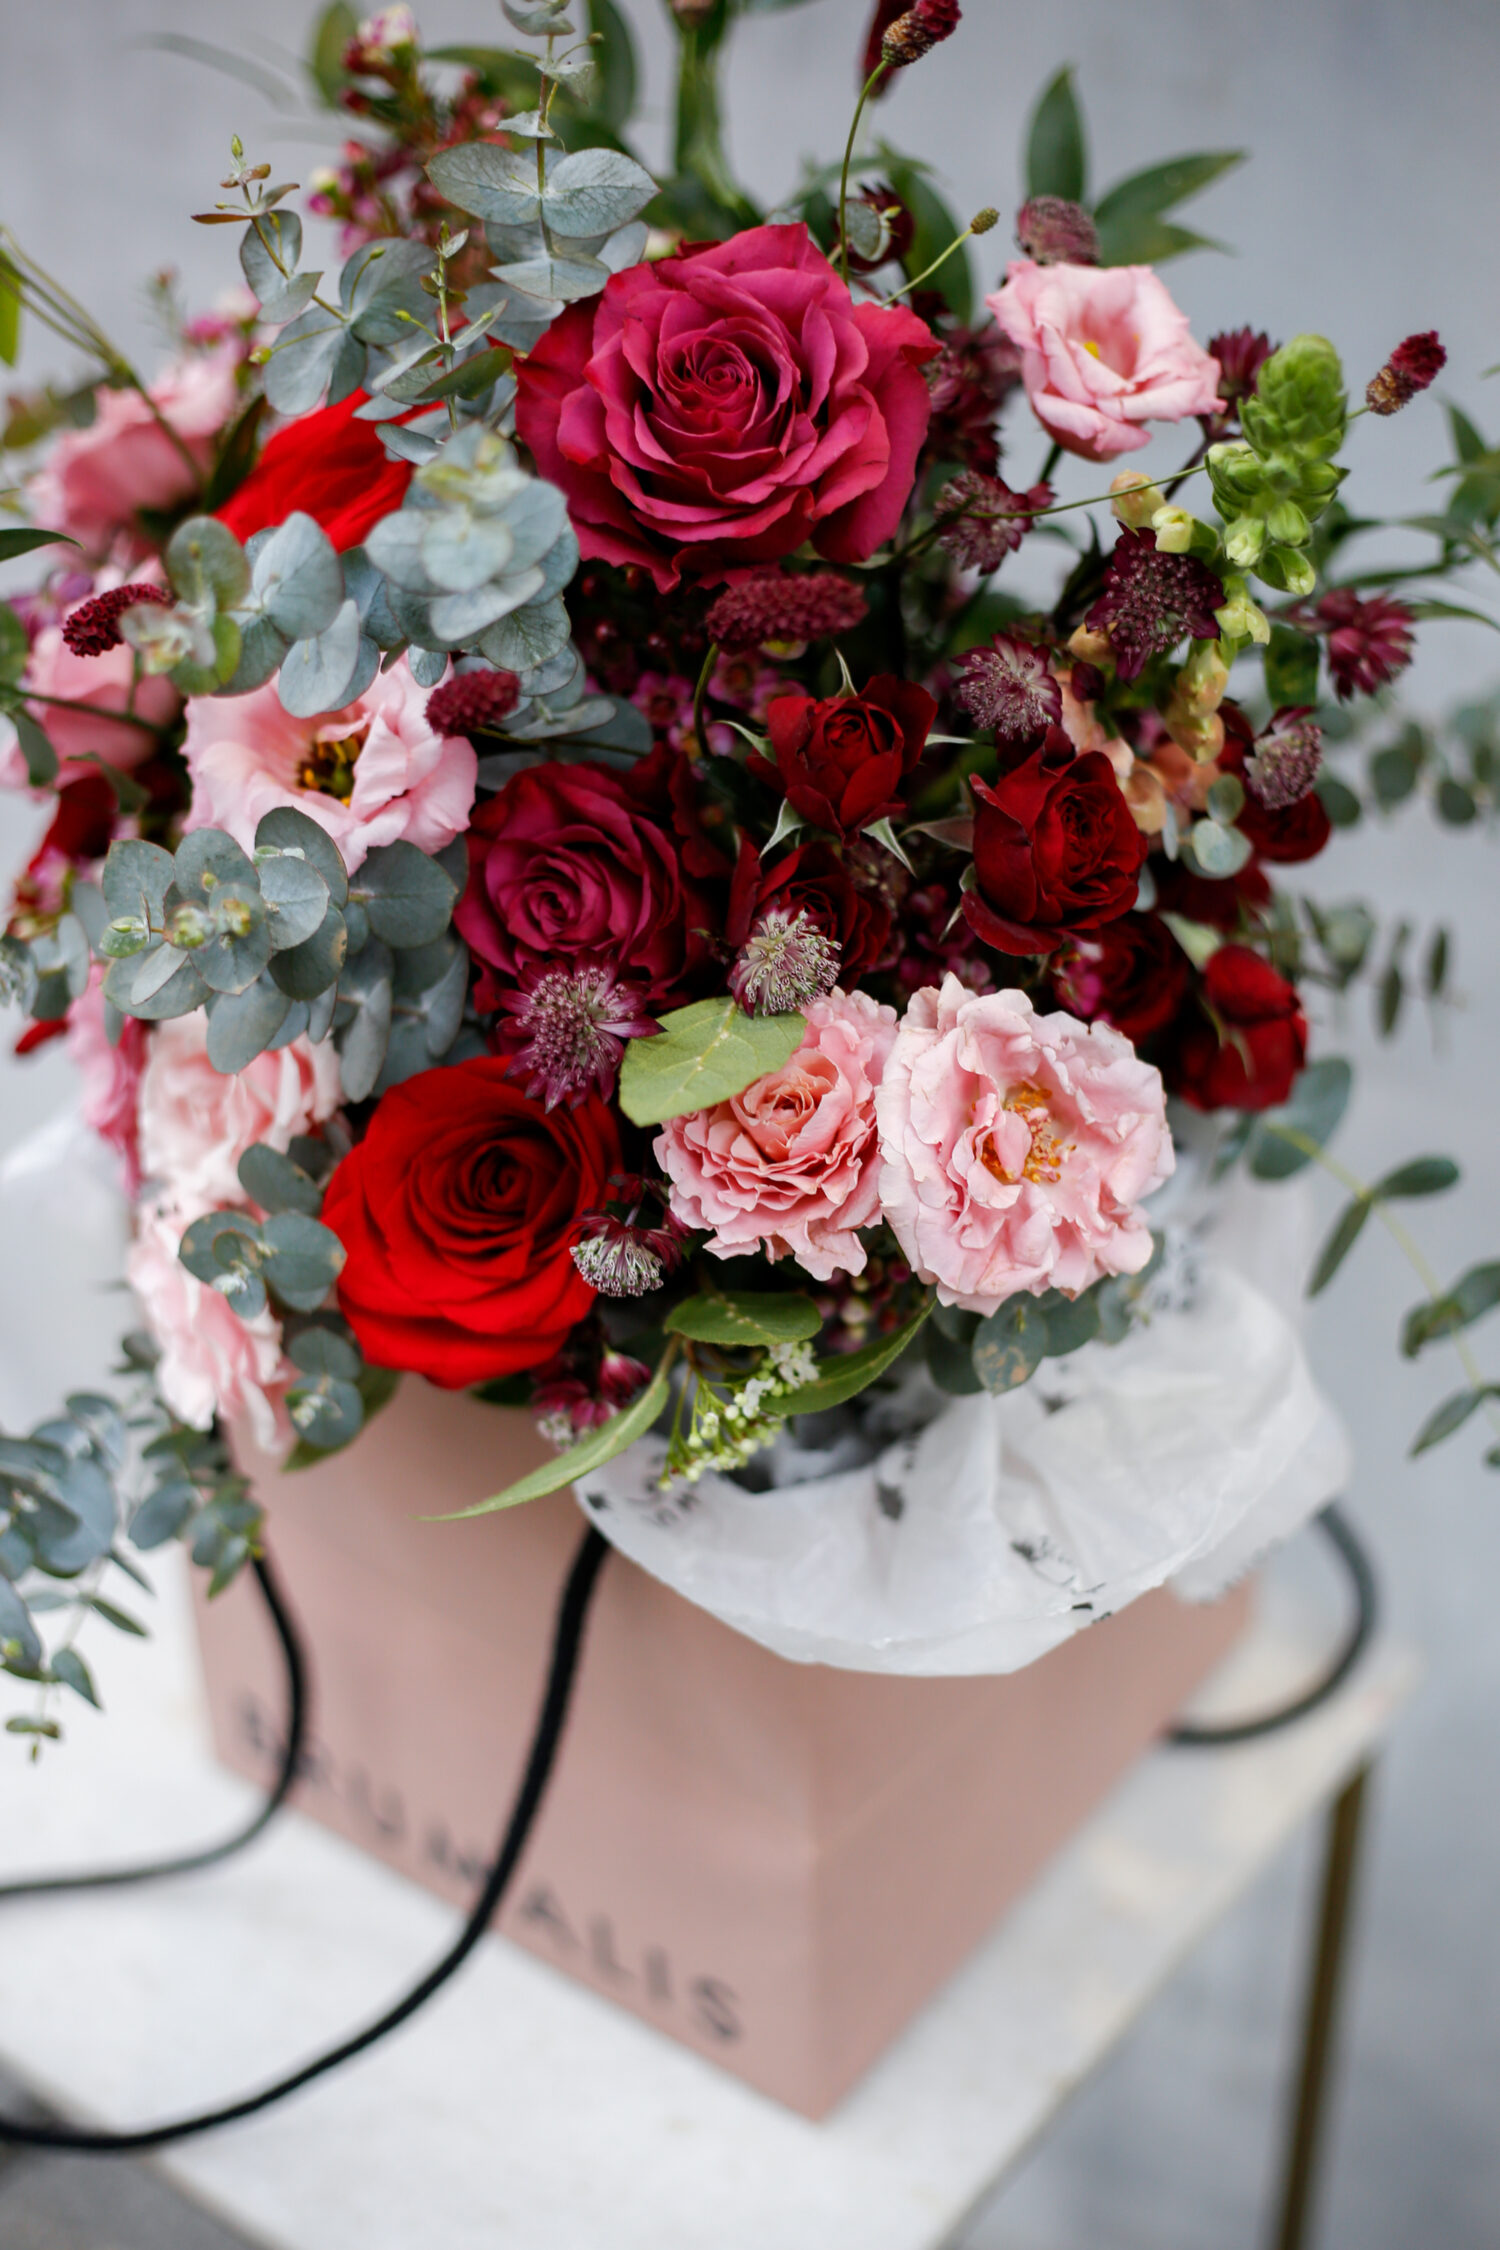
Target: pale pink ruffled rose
{"type": "Point", "coordinates": [1103, 350]}
{"type": "Point", "coordinates": [212, 1362]}
{"type": "Point", "coordinates": [196, 1122]}
{"type": "Point", "coordinates": [246, 755]}
{"type": "Point", "coordinates": [102, 685]}
{"type": "Point", "coordinates": [111, 1075]}
{"type": "Point", "coordinates": [790, 1165]}
{"type": "Point", "coordinates": [1016, 1148]}
{"type": "Point", "coordinates": [95, 480]}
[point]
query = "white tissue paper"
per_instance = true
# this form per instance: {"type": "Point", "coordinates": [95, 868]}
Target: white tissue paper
{"type": "Point", "coordinates": [979, 1541]}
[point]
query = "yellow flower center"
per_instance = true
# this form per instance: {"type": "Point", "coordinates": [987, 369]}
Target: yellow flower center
{"type": "Point", "coordinates": [1044, 1155]}
{"type": "Point", "coordinates": [328, 765]}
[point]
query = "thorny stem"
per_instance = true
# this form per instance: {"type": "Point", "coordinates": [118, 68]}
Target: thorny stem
{"type": "Point", "coordinates": [1405, 1241]}
{"type": "Point", "coordinates": [865, 92]}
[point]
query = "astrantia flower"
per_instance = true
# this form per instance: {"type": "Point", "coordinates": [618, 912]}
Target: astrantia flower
{"type": "Point", "coordinates": [1056, 232]}
{"type": "Point", "coordinates": [778, 605]}
{"type": "Point", "coordinates": [93, 628]}
{"type": "Point", "coordinates": [617, 1262]}
{"type": "Point", "coordinates": [785, 962]}
{"type": "Point", "coordinates": [1010, 687]}
{"type": "Point", "coordinates": [1416, 362]}
{"type": "Point", "coordinates": [1151, 600]}
{"type": "Point", "coordinates": [984, 521]}
{"type": "Point", "coordinates": [568, 1029]}
{"type": "Point", "coordinates": [472, 702]}
{"type": "Point", "coordinates": [1285, 761]}
{"type": "Point", "coordinates": [1368, 642]}
{"type": "Point", "coordinates": [969, 382]}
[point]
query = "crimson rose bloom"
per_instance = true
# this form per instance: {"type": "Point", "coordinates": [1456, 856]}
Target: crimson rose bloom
{"type": "Point", "coordinates": [718, 408]}
{"type": "Point", "coordinates": [1263, 1043]}
{"type": "Point", "coordinates": [568, 864]}
{"type": "Point", "coordinates": [1132, 973]}
{"type": "Point", "coordinates": [458, 1212]}
{"type": "Point", "coordinates": [816, 881]}
{"type": "Point", "coordinates": [840, 763]}
{"type": "Point", "coordinates": [1055, 850]}
{"type": "Point", "coordinates": [331, 467]}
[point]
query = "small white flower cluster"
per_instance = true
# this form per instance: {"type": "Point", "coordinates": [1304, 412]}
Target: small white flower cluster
{"type": "Point", "coordinates": [728, 1425]}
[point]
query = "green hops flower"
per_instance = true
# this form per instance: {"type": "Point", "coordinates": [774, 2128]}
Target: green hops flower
{"type": "Point", "coordinates": [1271, 485]}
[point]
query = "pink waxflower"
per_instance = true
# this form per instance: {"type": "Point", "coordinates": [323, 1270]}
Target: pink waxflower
{"type": "Point", "coordinates": [111, 1075]}
{"type": "Point", "coordinates": [1016, 1148]}
{"type": "Point", "coordinates": [1103, 351]}
{"type": "Point", "coordinates": [101, 684]}
{"type": "Point", "coordinates": [370, 774]}
{"type": "Point", "coordinates": [212, 1362]}
{"type": "Point", "coordinates": [96, 480]}
{"type": "Point", "coordinates": [196, 1123]}
{"type": "Point", "coordinates": [791, 1164]}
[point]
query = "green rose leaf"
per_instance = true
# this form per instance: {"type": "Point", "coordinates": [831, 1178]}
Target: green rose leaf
{"type": "Point", "coordinates": [703, 1054]}
{"type": "Point", "coordinates": [592, 1452]}
{"type": "Point", "coordinates": [844, 1378]}
{"type": "Point", "coordinates": [739, 1317]}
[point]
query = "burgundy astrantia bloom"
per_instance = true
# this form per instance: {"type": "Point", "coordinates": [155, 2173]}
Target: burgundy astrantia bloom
{"type": "Point", "coordinates": [819, 881]}
{"type": "Point", "coordinates": [1011, 688]}
{"type": "Point", "coordinates": [578, 865]}
{"type": "Point", "coordinates": [93, 628]}
{"type": "Point", "coordinates": [1241, 354]}
{"type": "Point", "coordinates": [1286, 759]}
{"type": "Point", "coordinates": [1367, 642]}
{"type": "Point", "coordinates": [473, 702]}
{"type": "Point", "coordinates": [984, 521]}
{"type": "Point", "coordinates": [785, 962]}
{"type": "Point", "coordinates": [1416, 363]}
{"type": "Point", "coordinates": [566, 1028]}
{"type": "Point", "coordinates": [1055, 850]}
{"type": "Point", "coordinates": [720, 408]}
{"type": "Point", "coordinates": [784, 605]}
{"type": "Point", "coordinates": [1150, 600]}
{"type": "Point", "coordinates": [1055, 232]}
{"type": "Point", "coordinates": [840, 762]}
{"type": "Point", "coordinates": [969, 382]}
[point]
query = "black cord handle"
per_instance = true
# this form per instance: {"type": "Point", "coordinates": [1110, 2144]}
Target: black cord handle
{"type": "Point", "coordinates": [1347, 1545]}
{"type": "Point", "coordinates": [567, 1644]}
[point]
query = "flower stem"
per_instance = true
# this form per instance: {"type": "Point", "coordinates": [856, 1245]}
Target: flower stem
{"type": "Point", "coordinates": [94, 711]}
{"type": "Point", "coordinates": [700, 697]}
{"type": "Point", "coordinates": [927, 272]}
{"type": "Point", "coordinates": [865, 92]}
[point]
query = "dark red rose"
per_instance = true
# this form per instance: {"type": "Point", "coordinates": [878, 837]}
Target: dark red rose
{"type": "Point", "coordinates": [458, 1212]}
{"type": "Point", "coordinates": [815, 879]}
{"type": "Point", "coordinates": [1055, 850]}
{"type": "Point", "coordinates": [329, 466]}
{"type": "Point", "coordinates": [568, 865]}
{"type": "Point", "coordinates": [1132, 973]}
{"type": "Point", "coordinates": [1245, 1045]}
{"type": "Point", "coordinates": [719, 408]}
{"type": "Point", "coordinates": [1220, 901]}
{"type": "Point", "coordinates": [840, 763]}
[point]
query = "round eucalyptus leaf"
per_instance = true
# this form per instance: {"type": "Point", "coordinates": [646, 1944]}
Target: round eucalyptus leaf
{"type": "Point", "coordinates": [306, 970]}
{"type": "Point", "coordinates": [207, 859]}
{"type": "Point", "coordinates": [297, 578]}
{"type": "Point", "coordinates": [217, 1241]}
{"type": "Point", "coordinates": [427, 665]}
{"type": "Point", "coordinates": [241, 944]}
{"type": "Point", "coordinates": [296, 898]}
{"type": "Point", "coordinates": [285, 829]}
{"type": "Point", "coordinates": [261, 651]}
{"type": "Point", "coordinates": [206, 675]}
{"type": "Point", "coordinates": [318, 674]}
{"type": "Point", "coordinates": [206, 565]}
{"type": "Point", "coordinates": [326, 1411]}
{"type": "Point", "coordinates": [162, 1514]}
{"type": "Point", "coordinates": [407, 896]}
{"type": "Point", "coordinates": [241, 1025]}
{"type": "Point", "coordinates": [324, 1351]}
{"type": "Point", "coordinates": [136, 879]}
{"type": "Point", "coordinates": [462, 552]}
{"type": "Point", "coordinates": [303, 1259]}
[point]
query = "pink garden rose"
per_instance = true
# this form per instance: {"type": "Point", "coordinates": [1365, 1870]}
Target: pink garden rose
{"type": "Point", "coordinates": [103, 684]}
{"type": "Point", "coordinates": [370, 774]}
{"type": "Point", "coordinates": [111, 1075]}
{"type": "Point", "coordinates": [791, 1164]}
{"type": "Point", "coordinates": [95, 480]}
{"type": "Point", "coordinates": [212, 1362]}
{"type": "Point", "coordinates": [1103, 350]}
{"type": "Point", "coordinates": [1016, 1148]}
{"type": "Point", "coordinates": [196, 1122]}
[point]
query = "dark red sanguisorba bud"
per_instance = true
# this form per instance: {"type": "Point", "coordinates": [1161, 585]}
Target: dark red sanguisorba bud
{"type": "Point", "coordinates": [783, 605]}
{"type": "Point", "coordinates": [1245, 1045]}
{"type": "Point", "coordinates": [1056, 850]}
{"type": "Point", "coordinates": [93, 628]}
{"type": "Point", "coordinates": [840, 762]}
{"type": "Point", "coordinates": [471, 702]}
{"type": "Point", "coordinates": [1415, 364]}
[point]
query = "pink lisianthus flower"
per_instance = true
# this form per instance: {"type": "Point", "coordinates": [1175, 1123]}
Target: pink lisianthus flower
{"type": "Point", "coordinates": [1016, 1148]}
{"type": "Point", "coordinates": [212, 1362]}
{"type": "Point", "coordinates": [95, 481]}
{"type": "Point", "coordinates": [371, 774]}
{"type": "Point", "coordinates": [111, 1075]}
{"type": "Point", "coordinates": [196, 1122]}
{"type": "Point", "coordinates": [101, 684]}
{"type": "Point", "coordinates": [1103, 351]}
{"type": "Point", "coordinates": [791, 1164]}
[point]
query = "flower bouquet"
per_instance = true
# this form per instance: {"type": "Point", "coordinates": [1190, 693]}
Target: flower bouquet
{"type": "Point", "coordinates": [573, 878]}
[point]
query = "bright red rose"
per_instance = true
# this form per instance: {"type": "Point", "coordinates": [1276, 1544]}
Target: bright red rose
{"type": "Point", "coordinates": [1246, 1053]}
{"type": "Point", "coordinates": [716, 409]}
{"type": "Point", "coordinates": [329, 466]}
{"type": "Point", "coordinates": [1132, 974]}
{"type": "Point", "coordinates": [458, 1212]}
{"type": "Point", "coordinates": [578, 864]}
{"type": "Point", "coordinates": [1055, 850]}
{"type": "Point", "coordinates": [815, 879]}
{"type": "Point", "coordinates": [840, 763]}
